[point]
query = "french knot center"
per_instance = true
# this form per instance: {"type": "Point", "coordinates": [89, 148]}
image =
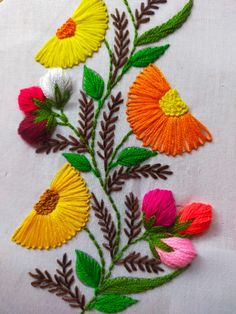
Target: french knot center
{"type": "Point", "coordinates": [47, 202]}
{"type": "Point", "coordinates": [172, 104]}
{"type": "Point", "coordinates": [66, 30]}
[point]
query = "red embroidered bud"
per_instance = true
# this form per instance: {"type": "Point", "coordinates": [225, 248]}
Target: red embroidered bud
{"type": "Point", "coordinates": [26, 96]}
{"type": "Point", "coordinates": [31, 132]}
{"type": "Point", "coordinates": [200, 215]}
{"type": "Point", "coordinates": [160, 203]}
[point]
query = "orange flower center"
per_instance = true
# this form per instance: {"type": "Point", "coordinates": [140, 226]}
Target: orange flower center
{"type": "Point", "coordinates": [172, 104]}
{"type": "Point", "coordinates": [47, 202]}
{"type": "Point", "coordinates": [66, 30]}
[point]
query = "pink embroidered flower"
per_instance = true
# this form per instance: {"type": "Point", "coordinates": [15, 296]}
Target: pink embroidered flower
{"type": "Point", "coordinates": [161, 204]}
{"type": "Point", "coordinates": [183, 252]}
{"type": "Point", "coordinates": [33, 132]}
{"type": "Point", "coordinates": [26, 96]}
{"type": "Point", "coordinates": [200, 215]}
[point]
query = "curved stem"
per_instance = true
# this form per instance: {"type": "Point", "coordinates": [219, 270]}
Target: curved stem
{"type": "Point", "coordinates": [100, 252]}
{"type": "Point", "coordinates": [134, 24]}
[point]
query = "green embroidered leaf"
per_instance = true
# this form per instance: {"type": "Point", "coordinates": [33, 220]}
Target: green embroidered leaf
{"type": "Point", "coordinates": [156, 241]}
{"type": "Point", "coordinates": [80, 162]}
{"type": "Point", "coordinates": [157, 33]}
{"type": "Point", "coordinates": [133, 156]}
{"type": "Point", "coordinates": [87, 269]}
{"type": "Point", "coordinates": [148, 224]}
{"type": "Point", "coordinates": [146, 56]}
{"type": "Point", "coordinates": [93, 84]}
{"type": "Point", "coordinates": [112, 303]}
{"type": "Point", "coordinates": [128, 285]}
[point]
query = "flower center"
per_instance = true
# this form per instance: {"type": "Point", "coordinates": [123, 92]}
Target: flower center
{"type": "Point", "coordinates": [66, 30]}
{"type": "Point", "coordinates": [47, 202]}
{"type": "Point", "coordinates": [172, 104]}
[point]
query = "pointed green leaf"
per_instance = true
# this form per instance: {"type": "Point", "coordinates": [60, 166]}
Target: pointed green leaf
{"type": "Point", "coordinates": [93, 83]}
{"type": "Point", "coordinates": [87, 269]}
{"type": "Point", "coordinates": [146, 56]}
{"type": "Point", "coordinates": [157, 242]}
{"type": "Point", "coordinates": [133, 156]}
{"type": "Point", "coordinates": [112, 303]}
{"type": "Point", "coordinates": [157, 33]}
{"type": "Point", "coordinates": [148, 223]}
{"type": "Point", "coordinates": [128, 285]}
{"type": "Point", "coordinates": [80, 162]}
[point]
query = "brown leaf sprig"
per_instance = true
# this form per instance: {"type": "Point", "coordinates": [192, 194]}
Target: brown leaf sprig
{"type": "Point", "coordinates": [53, 145]}
{"type": "Point", "coordinates": [122, 41]}
{"type": "Point", "coordinates": [143, 15]}
{"type": "Point", "coordinates": [134, 262]}
{"type": "Point", "coordinates": [86, 115]}
{"type": "Point", "coordinates": [107, 133]}
{"type": "Point", "coordinates": [60, 284]}
{"type": "Point", "coordinates": [116, 180]}
{"type": "Point", "coordinates": [106, 223]}
{"type": "Point", "coordinates": [133, 217]}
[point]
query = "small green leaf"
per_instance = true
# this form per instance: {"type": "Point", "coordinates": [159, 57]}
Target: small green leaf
{"type": "Point", "coordinates": [133, 156]}
{"type": "Point", "coordinates": [128, 285]}
{"type": "Point", "coordinates": [80, 162]}
{"type": "Point", "coordinates": [112, 303]}
{"type": "Point", "coordinates": [161, 245]}
{"type": "Point", "coordinates": [146, 56]}
{"type": "Point", "coordinates": [148, 223]}
{"type": "Point", "coordinates": [87, 269]}
{"type": "Point", "coordinates": [157, 33]}
{"type": "Point", "coordinates": [93, 84]}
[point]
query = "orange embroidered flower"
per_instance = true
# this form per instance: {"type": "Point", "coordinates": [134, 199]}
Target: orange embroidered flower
{"type": "Point", "coordinates": [160, 118]}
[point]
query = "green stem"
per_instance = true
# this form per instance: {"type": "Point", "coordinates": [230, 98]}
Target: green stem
{"type": "Point", "coordinates": [134, 24]}
{"type": "Point", "coordinates": [100, 252]}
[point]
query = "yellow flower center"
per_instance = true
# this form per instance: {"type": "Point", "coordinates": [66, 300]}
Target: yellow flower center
{"type": "Point", "coordinates": [172, 104]}
{"type": "Point", "coordinates": [47, 202]}
{"type": "Point", "coordinates": [66, 30]}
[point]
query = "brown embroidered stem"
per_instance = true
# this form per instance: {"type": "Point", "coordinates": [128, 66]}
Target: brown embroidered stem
{"type": "Point", "coordinates": [106, 223]}
{"type": "Point", "coordinates": [107, 132]}
{"type": "Point", "coordinates": [134, 262]}
{"type": "Point", "coordinates": [61, 283]}
{"type": "Point", "coordinates": [86, 115]}
{"type": "Point", "coordinates": [133, 220]}
{"type": "Point", "coordinates": [122, 41]}
{"type": "Point", "coordinates": [116, 180]}
{"type": "Point", "coordinates": [60, 143]}
{"type": "Point", "coordinates": [143, 16]}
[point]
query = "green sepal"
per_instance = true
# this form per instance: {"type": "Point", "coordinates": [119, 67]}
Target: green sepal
{"type": "Point", "coordinates": [93, 83]}
{"type": "Point", "coordinates": [157, 33]}
{"type": "Point", "coordinates": [128, 285]}
{"type": "Point", "coordinates": [132, 156]}
{"type": "Point", "coordinates": [148, 223]}
{"type": "Point", "coordinates": [80, 162]}
{"type": "Point", "coordinates": [146, 56]}
{"type": "Point", "coordinates": [111, 303]}
{"type": "Point", "coordinates": [157, 242]}
{"type": "Point", "coordinates": [153, 249]}
{"type": "Point", "coordinates": [61, 99]}
{"type": "Point", "coordinates": [88, 269]}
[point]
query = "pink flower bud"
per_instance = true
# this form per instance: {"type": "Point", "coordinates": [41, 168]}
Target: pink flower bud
{"type": "Point", "coordinates": [26, 96]}
{"type": "Point", "coordinates": [183, 252]}
{"type": "Point", "coordinates": [161, 204]}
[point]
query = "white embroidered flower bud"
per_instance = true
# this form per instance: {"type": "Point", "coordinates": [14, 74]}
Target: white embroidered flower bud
{"type": "Point", "coordinates": [56, 77]}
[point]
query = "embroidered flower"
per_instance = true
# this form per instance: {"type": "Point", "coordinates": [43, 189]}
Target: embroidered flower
{"type": "Point", "coordinates": [60, 213]}
{"type": "Point", "coordinates": [161, 204]}
{"type": "Point", "coordinates": [200, 216]}
{"type": "Point", "coordinates": [33, 132]}
{"type": "Point", "coordinates": [183, 252]}
{"type": "Point", "coordinates": [55, 78]}
{"type": "Point", "coordinates": [78, 38]}
{"type": "Point", "coordinates": [26, 96]}
{"type": "Point", "coordinates": [160, 118]}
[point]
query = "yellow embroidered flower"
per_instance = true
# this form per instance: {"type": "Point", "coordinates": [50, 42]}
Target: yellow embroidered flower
{"type": "Point", "coordinates": [78, 38]}
{"type": "Point", "coordinates": [60, 213]}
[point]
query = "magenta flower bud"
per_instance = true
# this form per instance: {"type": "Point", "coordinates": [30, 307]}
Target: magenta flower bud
{"type": "Point", "coordinates": [161, 204]}
{"type": "Point", "coordinates": [183, 252]}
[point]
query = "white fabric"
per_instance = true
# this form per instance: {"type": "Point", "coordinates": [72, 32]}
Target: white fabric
{"type": "Point", "coordinates": [201, 64]}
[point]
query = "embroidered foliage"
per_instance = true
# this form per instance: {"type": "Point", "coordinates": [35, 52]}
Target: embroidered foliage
{"type": "Point", "coordinates": [61, 284]}
{"type": "Point", "coordinates": [133, 217]}
{"type": "Point", "coordinates": [86, 115]}
{"type": "Point", "coordinates": [93, 84]}
{"type": "Point", "coordinates": [157, 33]}
{"type": "Point", "coordinates": [80, 162]}
{"type": "Point", "coordinates": [143, 16]}
{"type": "Point", "coordinates": [87, 269]}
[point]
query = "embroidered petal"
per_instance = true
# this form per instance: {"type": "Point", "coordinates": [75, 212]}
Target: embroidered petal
{"type": "Point", "coordinates": [78, 38]}
{"type": "Point", "coordinates": [59, 214]}
{"type": "Point", "coordinates": [159, 117]}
